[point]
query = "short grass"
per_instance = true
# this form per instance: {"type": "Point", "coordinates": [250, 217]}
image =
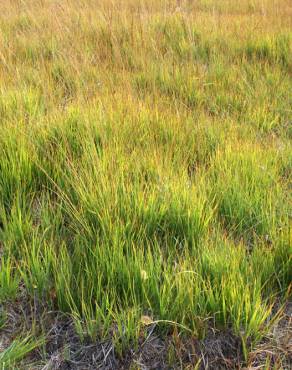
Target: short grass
{"type": "Point", "coordinates": [145, 165]}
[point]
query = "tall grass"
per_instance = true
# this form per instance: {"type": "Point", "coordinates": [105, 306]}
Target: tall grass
{"type": "Point", "coordinates": [145, 163]}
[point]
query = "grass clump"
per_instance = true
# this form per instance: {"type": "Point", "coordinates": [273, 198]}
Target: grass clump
{"type": "Point", "coordinates": [145, 178]}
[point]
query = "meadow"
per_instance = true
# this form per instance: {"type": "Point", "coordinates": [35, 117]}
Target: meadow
{"type": "Point", "coordinates": [145, 184]}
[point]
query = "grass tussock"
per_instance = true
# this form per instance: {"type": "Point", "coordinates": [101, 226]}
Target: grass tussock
{"type": "Point", "coordinates": [145, 174]}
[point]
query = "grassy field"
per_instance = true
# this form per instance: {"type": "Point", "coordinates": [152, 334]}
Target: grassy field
{"type": "Point", "coordinates": [145, 184]}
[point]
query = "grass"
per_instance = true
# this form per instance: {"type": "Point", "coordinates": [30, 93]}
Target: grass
{"type": "Point", "coordinates": [16, 351]}
{"type": "Point", "coordinates": [145, 168]}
